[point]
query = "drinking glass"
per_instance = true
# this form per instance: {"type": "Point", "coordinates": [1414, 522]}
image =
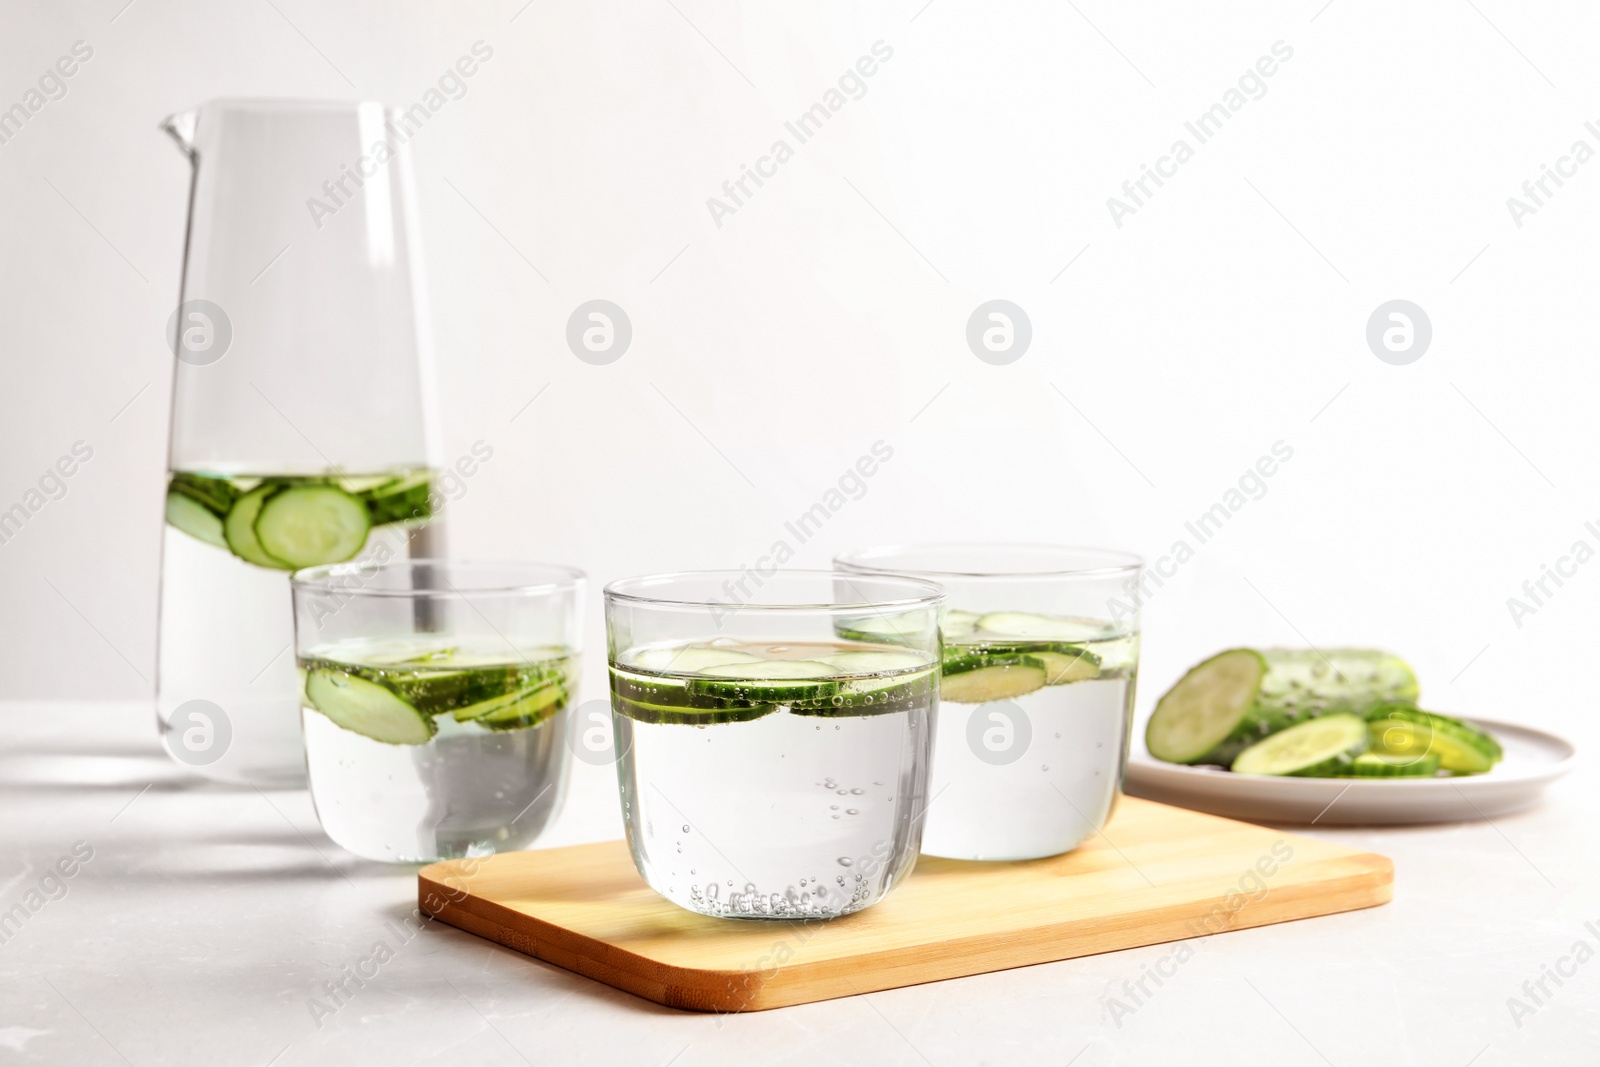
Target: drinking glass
{"type": "Point", "coordinates": [302, 412]}
{"type": "Point", "coordinates": [773, 734]}
{"type": "Point", "coordinates": [435, 702]}
{"type": "Point", "coordinates": [1041, 652]}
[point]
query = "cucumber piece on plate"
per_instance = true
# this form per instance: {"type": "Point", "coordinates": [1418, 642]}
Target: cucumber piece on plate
{"type": "Point", "coordinates": [1461, 748]}
{"type": "Point", "coordinates": [1319, 748]}
{"type": "Point", "coordinates": [1388, 765]}
{"type": "Point", "coordinates": [686, 659]}
{"type": "Point", "coordinates": [367, 708]}
{"type": "Point", "coordinates": [308, 525]}
{"type": "Point", "coordinates": [1043, 627]}
{"type": "Point", "coordinates": [768, 681]}
{"type": "Point", "coordinates": [1240, 696]}
{"type": "Point", "coordinates": [195, 519]}
{"type": "Point", "coordinates": [992, 680]}
{"type": "Point", "coordinates": [239, 527]}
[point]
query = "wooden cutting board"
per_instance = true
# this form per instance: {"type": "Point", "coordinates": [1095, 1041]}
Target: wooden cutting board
{"type": "Point", "coordinates": [1157, 874]}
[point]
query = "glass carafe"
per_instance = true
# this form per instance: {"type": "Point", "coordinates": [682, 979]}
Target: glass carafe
{"type": "Point", "coordinates": [302, 409]}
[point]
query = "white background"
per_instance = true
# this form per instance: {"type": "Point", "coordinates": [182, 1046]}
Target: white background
{"type": "Point", "coordinates": [830, 312]}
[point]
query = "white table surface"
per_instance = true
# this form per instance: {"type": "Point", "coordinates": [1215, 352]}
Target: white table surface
{"type": "Point", "coordinates": [209, 917]}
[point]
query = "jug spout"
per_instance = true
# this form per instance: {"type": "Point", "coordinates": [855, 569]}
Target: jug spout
{"type": "Point", "coordinates": [181, 127]}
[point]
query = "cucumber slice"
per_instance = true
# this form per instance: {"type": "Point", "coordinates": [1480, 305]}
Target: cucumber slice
{"type": "Point", "coordinates": [367, 708]}
{"type": "Point", "coordinates": [874, 662]}
{"type": "Point", "coordinates": [308, 525]}
{"type": "Point", "coordinates": [996, 681]}
{"type": "Point", "coordinates": [880, 695]}
{"type": "Point", "coordinates": [194, 518]}
{"type": "Point", "coordinates": [1061, 668]}
{"type": "Point", "coordinates": [528, 709]}
{"type": "Point", "coordinates": [1318, 748]}
{"type": "Point", "coordinates": [956, 623]}
{"type": "Point", "coordinates": [682, 715]}
{"type": "Point", "coordinates": [239, 527]}
{"type": "Point", "coordinates": [398, 499]}
{"type": "Point", "coordinates": [687, 659]}
{"type": "Point", "coordinates": [1461, 748]}
{"type": "Point", "coordinates": [1237, 697]}
{"type": "Point", "coordinates": [216, 494]}
{"type": "Point", "coordinates": [887, 629]}
{"type": "Point", "coordinates": [768, 681]}
{"type": "Point", "coordinates": [1387, 765]}
{"type": "Point", "coordinates": [1043, 627]}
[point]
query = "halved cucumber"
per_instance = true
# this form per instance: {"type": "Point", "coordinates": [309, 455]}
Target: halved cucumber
{"type": "Point", "coordinates": [239, 527]}
{"type": "Point", "coordinates": [1319, 748]}
{"type": "Point", "coordinates": [1387, 765]}
{"type": "Point", "coordinates": [996, 681]}
{"type": "Point", "coordinates": [1461, 748]}
{"type": "Point", "coordinates": [768, 681]}
{"type": "Point", "coordinates": [367, 708]}
{"type": "Point", "coordinates": [194, 518]}
{"type": "Point", "coordinates": [687, 659]}
{"type": "Point", "coordinates": [308, 525]}
{"type": "Point", "coordinates": [1043, 627]}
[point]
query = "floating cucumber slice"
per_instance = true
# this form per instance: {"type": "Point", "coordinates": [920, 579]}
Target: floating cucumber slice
{"type": "Point", "coordinates": [680, 714]}
{"type": "Point", "coordinates": [1063, 667]}
{"type": "Point", "coordinates": [687, 659]}
{"type": "Point", "coordinates": [873, 696]}
{"type": "Point", "coordinates": [768, 681]}
{"type": "Point", "coordinates": [1319, 748]}
{"type": "Point", "coordinates": [1461, 748]}
{"type": "Point", "coordinates": [1387, 765]}
{"type": "Point", "coordinates": [874, 662]}
{"type": "Point", "coordinates": [216, 494]}
{"type": "Point", "coordinates": [239, 528]}
{"type": "Point", "coordinates": [528, 709]}
{"type": "Point", "coordinates": [367, 708]}
{"type": "Point", "coordinates": [956, 623]}
{"type": "Point", "coordinates": [887, 629]}
{"type": "Point", "coordinates": [997, 681]}
{"type": "Point", "coordinates": [1043, 627]}
{"type": "Point", "coordinates": [398, 499]}
{"type": "Point", "coordinates": [308, 525]}
{"type": "Point", "coordinates": [1237, 697]}
{"type": "Point", "coordinates": [194, 519]}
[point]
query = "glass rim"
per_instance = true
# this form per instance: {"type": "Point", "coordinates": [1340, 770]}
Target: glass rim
{"type": "Point", "coordinates": [321, 578]}
{"type": "Point", "coordinates": [931, 594]}
{"type": "Point", "coordinates": [1114, 562]}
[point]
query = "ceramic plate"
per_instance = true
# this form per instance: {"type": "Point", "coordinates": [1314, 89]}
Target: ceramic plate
{"type": "Point", "coordinates": [1533, 759]}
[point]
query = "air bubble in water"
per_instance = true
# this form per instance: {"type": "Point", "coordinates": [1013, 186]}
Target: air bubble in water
{"type": "Point", "coordinates": [857, 792]}
{"type": "Point", "coordinates": [845, 861]}
{"type": "Point", "coordinates": [852, 811]}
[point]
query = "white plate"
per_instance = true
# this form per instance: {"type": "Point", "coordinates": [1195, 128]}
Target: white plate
{"type": "Point", "coordinates": [1533, 759]}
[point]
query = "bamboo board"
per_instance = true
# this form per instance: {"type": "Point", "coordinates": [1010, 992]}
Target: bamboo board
{"type": "Point", "coordinates": [1157, 874]}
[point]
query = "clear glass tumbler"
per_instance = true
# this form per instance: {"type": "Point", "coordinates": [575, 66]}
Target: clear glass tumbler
{"type": "Point", "coordinates": [1041, 652]}
{"type": "Point", "coordinates": [435, 702]}
{"type": "Point", "coordinates": [773, 734]}
{"type": "Point", "coordinates": [302, 409]}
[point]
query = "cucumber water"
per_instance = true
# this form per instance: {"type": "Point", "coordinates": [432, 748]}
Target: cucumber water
{"type": "Point", "coordinates": [806, 760]}
{"type": "Point", "coordinates": [226, 624]}
{"type": "Point", "coordinates": [1033, 733]}
{"type": "Point", "coordinates": [465, 741]}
